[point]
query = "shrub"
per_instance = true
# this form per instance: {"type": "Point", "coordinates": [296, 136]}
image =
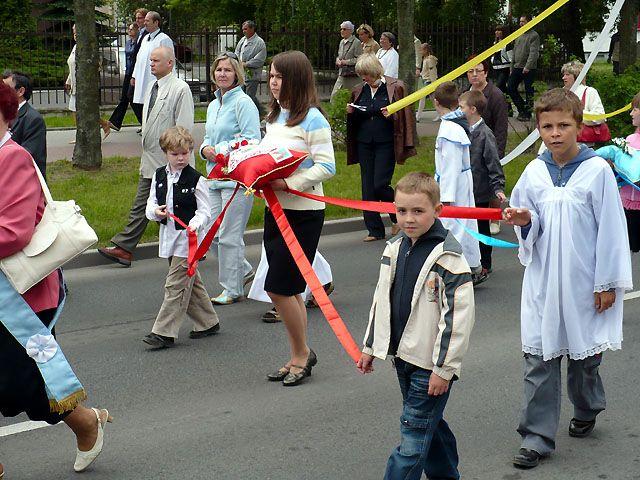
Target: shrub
{"type": "Point", "coordinates": [337, 112]}
{"type": "Point", "coordinates": [616, 91]}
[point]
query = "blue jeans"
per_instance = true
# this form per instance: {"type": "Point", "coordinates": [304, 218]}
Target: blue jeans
{"type": "Point", "coordinates": [427, 443]}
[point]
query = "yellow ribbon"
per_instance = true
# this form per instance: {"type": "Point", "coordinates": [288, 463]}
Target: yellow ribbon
{"type": "Point", "coordinates": [423, 92]}
{"type": "Point", "coordinates": [602, 116]}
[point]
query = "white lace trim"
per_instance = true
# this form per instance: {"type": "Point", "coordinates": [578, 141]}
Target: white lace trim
{"type": "Point", "coordinates": [612, 285]}
{"type": "Point", "coordinates": [572, 355]}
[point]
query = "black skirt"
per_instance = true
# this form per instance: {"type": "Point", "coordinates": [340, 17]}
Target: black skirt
{"type": "Point", "coordinates": [21, 385]}
{"type": "Point", "coordinates": [283, 276]}
{"type": "Point", "coordinates": [633, 228]}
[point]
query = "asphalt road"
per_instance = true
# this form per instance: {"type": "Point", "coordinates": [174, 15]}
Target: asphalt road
{"type": "Point", "coordinates": [203, 410]}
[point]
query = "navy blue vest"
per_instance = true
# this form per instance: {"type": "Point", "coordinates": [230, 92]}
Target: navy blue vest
{"type": "Point", "coordinates": [184, 193]}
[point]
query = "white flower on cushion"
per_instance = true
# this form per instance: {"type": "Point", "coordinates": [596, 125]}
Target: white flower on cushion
{"type": "Point", "coordinates": [42, 348]}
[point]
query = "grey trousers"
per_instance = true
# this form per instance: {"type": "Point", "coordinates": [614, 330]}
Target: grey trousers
{"type": "Point", "coordinates": [345, 82]}
{"type": "Point", "coordinates": [129, 238]}
{"type": "Point", "coordinates": [183, 295]}
{"type": "Point", "coordinates": [251, 89]}
{"type": "Point", "coordinates": [542, 396]}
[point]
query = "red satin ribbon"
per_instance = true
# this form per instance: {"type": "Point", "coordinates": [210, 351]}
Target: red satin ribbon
{"type": "Point", "coordinates": [321, 297]}
{"type": "Point", "coordinates": [193, 244]}
{"type": "Point", "coordinates": [448, 211]}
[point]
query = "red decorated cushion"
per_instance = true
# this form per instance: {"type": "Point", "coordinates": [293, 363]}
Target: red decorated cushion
{"type": "Point", "coordinates": [254, 166]}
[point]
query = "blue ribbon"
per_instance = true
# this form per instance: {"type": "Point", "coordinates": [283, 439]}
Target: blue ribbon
{"type": "Point", "coordinates": [492, 242]}
{"type": "Point", "coordinates": [626, 181]}
{"type": "Point", "coordinates": [63, 387]}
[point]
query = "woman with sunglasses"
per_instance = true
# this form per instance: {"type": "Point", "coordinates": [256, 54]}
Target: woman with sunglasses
{"type": "Point", "coordinates": [231, 117]}
{"type": "Point", "coordinates": [295, 121]}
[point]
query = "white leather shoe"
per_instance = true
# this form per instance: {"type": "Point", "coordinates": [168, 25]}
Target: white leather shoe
{"type": "Point", "coordinates": [84, 459]}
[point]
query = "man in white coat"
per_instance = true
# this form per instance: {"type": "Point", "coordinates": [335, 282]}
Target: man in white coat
{"type": "Point", "coordinates": [142, 78]}
{"type": "Point", "coordinates": [168, 102]}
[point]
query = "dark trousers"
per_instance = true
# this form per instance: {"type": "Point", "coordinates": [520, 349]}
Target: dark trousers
{"type": "Point", "coordinates": [484, 228]}
{"type": "Point", "coordinates": [427, 443]}
{"type": "Point", "coordinates": [121, 109]}
{"type": "Point", "coordinates": [501, 78]}
{"type": "Point", "coordinates": [377, 163]}
{"type": "Point", "coordinates": [515, 79]}
{"type": "Point", "coordinates": [129, 238]}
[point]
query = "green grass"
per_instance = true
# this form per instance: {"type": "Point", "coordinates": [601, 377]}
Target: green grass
{"type": "Point", "coordinates": [106, 195]}
{"type": "Point", "coordinates": [62, 120]}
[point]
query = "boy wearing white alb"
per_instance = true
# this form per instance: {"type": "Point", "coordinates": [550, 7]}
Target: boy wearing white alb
{"type": "Point", "coordinates": [178, 189]}
{"type": "Point", "coordinates": [573, 243]}
{"type": "Point", "coordinates": [453, 170]}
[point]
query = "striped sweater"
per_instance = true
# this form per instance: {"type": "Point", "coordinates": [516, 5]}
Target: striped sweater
{"type": "Point", "coordinates": [312, 135]}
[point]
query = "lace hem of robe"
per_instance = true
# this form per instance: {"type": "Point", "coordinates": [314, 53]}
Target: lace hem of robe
{"type": "Point", "coordinates": [611, 286]}
{"type": "Point", "coordinates": [572, 355]}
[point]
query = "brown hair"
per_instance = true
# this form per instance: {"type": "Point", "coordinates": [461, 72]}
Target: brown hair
{"type": "Point", "coordinates": [474, 98]}
{"type": "Point", "coordinates": [143, 11]}
{"type": "Point", "coordinates": [420, 182]}
{"type": "Point", "coordinates": [176, 138]}
{"type": "Point", "coordinates": [447, 95]}
{"type": "Point", "coordinates": [559, 100]}
{"type": "Point", "coordinates": [485, 64]}
{"type": "Point", "coordinates": [427, 48]}
{"type": "Point", "coordinates": [298, 90]}
{"type": "Point", "coordinates": [635, 103]}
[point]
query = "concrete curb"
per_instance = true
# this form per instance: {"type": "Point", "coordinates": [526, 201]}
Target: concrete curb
{"type": "Point", "coordinates": [145, 251]}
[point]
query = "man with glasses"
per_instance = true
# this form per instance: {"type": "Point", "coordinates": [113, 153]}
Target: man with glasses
{"type": "Point", "coordinates": [524, 62]}
{"type": "Point", "coordinates": [349, 50]}
{"type": "Point", "coordinates": [251, 52]}
{"type": "Point", "coordinates": [142, 78]}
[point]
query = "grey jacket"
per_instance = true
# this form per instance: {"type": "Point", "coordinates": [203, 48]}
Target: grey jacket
{"type": "Point", "coordinates": [488, 177]}
{"type": "Point", "coordinates": [526, 50]}
{"type": "Point", "coordinates": [254, 55]}
{"type": "Point", "coordinates": [349, 50]}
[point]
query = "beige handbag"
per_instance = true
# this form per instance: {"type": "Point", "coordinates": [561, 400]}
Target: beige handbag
{"type": "Point", "coordinates": [62, 234]}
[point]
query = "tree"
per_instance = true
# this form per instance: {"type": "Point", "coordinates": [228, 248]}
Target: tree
{"type": "Point", "coordinates": [87, 153]}
{"type": "Point", "coordinates": [627, 27]}
{"type": "Point", "coordinates": [407, 67]}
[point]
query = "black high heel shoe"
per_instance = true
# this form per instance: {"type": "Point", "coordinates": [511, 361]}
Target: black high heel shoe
{"type": "Point", "coordinates": [278, 375]}
{"type": "Point", "coordinates": [292, 379]}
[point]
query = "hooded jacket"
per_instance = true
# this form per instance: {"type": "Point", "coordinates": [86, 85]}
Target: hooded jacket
{"type": "Point", "coordinates": [436, 335]}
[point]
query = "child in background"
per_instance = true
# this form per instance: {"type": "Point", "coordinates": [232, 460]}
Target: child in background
{"type": "Point", "coordinates": [427, 336]}
{"type": "Point", "coordinates": [630, 196]}
{"type": "Point", "coordinates": [453, 169]}
{"type": "Point", "coordinates": [179, 189]}
{"type": "Point", "coordinates": [428, 73]}
{"type": "Point", "coordinates": [488, 177]}
{"type": "Point", "coordinates": [573, 243]}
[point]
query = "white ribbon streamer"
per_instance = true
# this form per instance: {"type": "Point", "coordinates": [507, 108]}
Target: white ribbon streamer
{"type": "Point", "coordinates": [602, 37]}
{"type": "Point", "coordinates": [42, 348]}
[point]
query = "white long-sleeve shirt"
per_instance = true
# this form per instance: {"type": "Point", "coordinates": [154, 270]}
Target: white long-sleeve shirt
{"type": "Point", "coordinates": [174, 242]}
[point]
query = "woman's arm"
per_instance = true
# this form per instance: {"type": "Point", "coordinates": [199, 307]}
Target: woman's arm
{"type": "Point", "coordinates": [20, 194]}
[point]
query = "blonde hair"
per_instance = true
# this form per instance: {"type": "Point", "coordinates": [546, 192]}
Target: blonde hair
{"type": "Point", "coordinates": [368, 64]}
{"type": "Point", "coordinates": [574, 67]}
{"type": "Point", "coordinates": [237, 69]}
{"type": "Point", "coordinates": [420, 182]}
{"type": "Point", "coordinates": [176, 138]}
{"type": "Point", "coordinates": [559, 100]}
{"type": "Point", "coordinates": [366, 29]}
{"type": "Point", "coordinates": [635, 103]}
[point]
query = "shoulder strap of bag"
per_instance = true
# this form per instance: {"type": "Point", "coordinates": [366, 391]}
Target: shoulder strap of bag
{"type": "Point", "coordinates": [45, 188]}
{"type": "Point", "coordinates": [584, 97]}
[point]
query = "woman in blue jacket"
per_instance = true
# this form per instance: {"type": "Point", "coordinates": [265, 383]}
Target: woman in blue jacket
{"type": "Point", "coordinates": [231, 117]}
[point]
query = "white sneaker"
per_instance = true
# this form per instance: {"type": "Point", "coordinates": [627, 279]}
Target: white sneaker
{"type": "Point", "coordinates": [494, 228]}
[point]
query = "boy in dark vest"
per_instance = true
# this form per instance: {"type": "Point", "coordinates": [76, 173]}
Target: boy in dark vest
{"type": "Point", "coordinates": [178, 189]}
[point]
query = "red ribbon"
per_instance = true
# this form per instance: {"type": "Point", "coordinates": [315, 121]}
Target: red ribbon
{"type": "Point", "coordinates": [321, 297]}
{"type": "Point", "coordinates": [448, 211]}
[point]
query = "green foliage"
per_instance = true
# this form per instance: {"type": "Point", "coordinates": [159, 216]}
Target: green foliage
{"type": "Point", "coordinates": [15, 16]}
{"type": "Point", "coordinates": [337, 112]}
{"type": "Point", "coordinates": [47, 66]}
{"type": "Point", "coordinates": [550, 51]}
{"type": "Point", "coordinates": [616, 91]}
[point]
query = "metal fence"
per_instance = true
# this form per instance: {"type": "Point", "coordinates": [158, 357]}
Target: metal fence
{"type": "Point", "coordinates": [43, 54]}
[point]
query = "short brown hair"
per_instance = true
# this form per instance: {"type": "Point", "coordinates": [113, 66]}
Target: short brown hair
{"type": "Point", "coordinates": [298, 91]}
{"type": "Point", "coordinates": [635, 103]}
{"type": "Point", "coordinates": [143, 11]}
{"type": "Point", "coordinates": [176, 138]}
{"type": "Point", "coordinates": [447, 95]}
{"type": "Point", "coordinates": [420, 182]}
{"type": "Point", "coordinates": [475, 98]}
{"type": "Point", "coordinates": [559, 100]}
